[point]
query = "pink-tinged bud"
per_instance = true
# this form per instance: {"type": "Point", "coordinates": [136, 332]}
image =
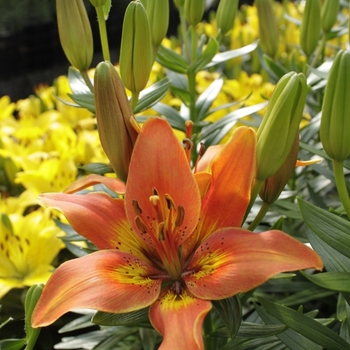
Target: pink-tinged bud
{"type": "Point", "coordinates": [114, 114]}
{"type": "Point", "coordinates": [274, 185]}
{"type": "Point", "coordinates": [268, 28]}
{"type": "Point", "coordinates": [75, 33]}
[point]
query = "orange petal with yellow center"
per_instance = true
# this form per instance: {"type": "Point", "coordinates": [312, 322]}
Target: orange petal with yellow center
{"type": "Point", "coordinates": [234, 260]}
{"type": "Point", "coordinates": [107, 280]}
{"type": "Point", "coordinates": [114, 184]}
{"type": "Point", "coordinates": [171, 313]}
{"type": "Point", "coordinates": [159, 163]}
{"type": "Point", "coordinates": [99, 218]}
{"type": "Point", "coordinates": [233, 171]}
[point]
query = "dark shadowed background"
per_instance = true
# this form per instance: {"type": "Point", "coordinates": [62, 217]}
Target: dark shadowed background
{"type": "Point", "coordinates": [30, 51]}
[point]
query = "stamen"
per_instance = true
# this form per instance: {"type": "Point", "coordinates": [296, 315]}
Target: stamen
{"type": "Point", "coordinates": [136, 207]}
{"type": "Point", "coordinates": [180, 215]}
{"type": "Point", "coordinates": [169, 201]}
{"type": "Point", "coordinates": [161, 232]}
{"type": "Point", "coordinates": [140, 224]}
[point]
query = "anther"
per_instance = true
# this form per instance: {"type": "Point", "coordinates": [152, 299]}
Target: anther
{"type": "Point", "coordinates": [140, 224]}
{"type": "Point", "coordinates": [180, 215]}
{"type": "Point", "coordinates": [169, 201]}
{"type": "Point", "coordinates": [136, 207]}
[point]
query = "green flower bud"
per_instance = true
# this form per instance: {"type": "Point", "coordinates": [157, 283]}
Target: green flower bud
{"type": "Point", "coordinates": [113, 115]}
{"type": "Point", "coordinates": [274, 185]}
{"type": "Point", "coordinates": [98, 3]}
{"type": "Point", "coordinates": [158, 18]}
{"type": "Point", "coordinates": [329, 14]}
{"type": "Point", "coordinates": [75, 33]}
{"type": "Point", "coordinates": [225, 15]}
{"type": "Point", "coordinates": [268, 28]}
{"type": "Point", "coordinates": [280, 124]}
{"type": "Point", "coordinates": [179, 3]}
{"type": "Point", "coordinates": [310, 26]}
{"type": "Point", "coordinates": [335, 120]}
{"type": "Point", "coordinates": [194, 10]}
{"type": "Point", "coordinates": [136, 58]}
{"type": "Point", "coordinates": [32, 297]}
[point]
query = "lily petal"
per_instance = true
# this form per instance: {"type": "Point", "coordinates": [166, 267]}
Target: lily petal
{"type": "Point", "coordinates": [235, 260]}
{"type": "Point", "coordinates": [108, 281]}
{"type": "Point", "coordinates": [159, 163]}
{"type": "Point", "coordinates": [233, 171]}
{"type": "Point", "coordinates": [208, 157]}
{"type": "Point", "coordinates": [98, 217]}
{"type": "Point", "coordinates": [171, 313]}
{"type": "Point", "coordinates": [114, 184]}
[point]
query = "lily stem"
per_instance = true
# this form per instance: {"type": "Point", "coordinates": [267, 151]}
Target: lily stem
{"type": "Point", "coordinates": [184, 33]}
{"type": "Point", "coordinates": [341, 185]}
{"type": "Point", "coordinates": [262, 212]}
{"type": "Point", "coordinates": [87, 80]}
{"type": "Point", "coordinates": [103, 33]}
{"type": "Point", "coordinates": [134, 100]}
{"type": "Point", "coordinates": [253, 194]}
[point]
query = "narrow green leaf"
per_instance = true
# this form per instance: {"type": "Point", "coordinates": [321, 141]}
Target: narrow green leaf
{"type": "Point", "coordinates": [252, 344]}
{"type": "Point", "coordinates": [206, 99]}
{"type": "Point", "coordinates": [148, 338]}
{"type": "Point", "coordinates": [172, 116]}
{"type": "Point", "coordinates": [330, 228]}
{"type": "Point", "coordinates": [205, 57]}
{"type": "Point", "coordinates": [12, 344]}
{"type": "Point", "coordinates": [182, 94]}
{"type": "Point", "coordinates": [152, 95]}
{"type": "Point", "coordinates": [171, 60]}
{"type": "Point", "coordinates": [276, 67]}
{"type": "Point", "coordinates": [227, 55]}
{"type": "Point", "coordinates": [84, 100]}
{"type": "Point", "coordinates": [128, 318]}
{"type": "Point", "coordinates": [292, 339]}
{"type": "Point", "coordinates": [338, 281]}
{"type": "Point", "coordinates": [76, 82]}
{"type": "Point", "coordinates": [305, 326]}
{"type": "Point", "coordinates": [230, 311]}
{"type": "Point", "coordinates": [78, 323]}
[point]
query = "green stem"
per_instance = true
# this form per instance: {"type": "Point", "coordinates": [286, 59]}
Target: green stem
{"type": "Point", "coordinates": [184, 33]}
{"type": "Point", "coordinates": [193, 43]}
{"type": "Point", "coordinates": [103, 33]}
{"type": "Point", "coordinates": [253, 194]}
{"type": "Point", "coordinates": [134, 100]}
{"type": "Point", "coordinates": [341, 185]}
{"type": "Point", "coordinates": [87, 80]}
{"type": "Point", "coordinates": [262, 212]}
{"type": "Point", "coordinates": [191, 76]}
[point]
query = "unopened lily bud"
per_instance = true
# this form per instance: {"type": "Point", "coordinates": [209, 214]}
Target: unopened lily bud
{"type": "Point", "coordinates": [158, 18]}
{"type": "Point", "coordinates": [268, 28]}
{"type": "Point", "coordinates": [179, 3]}
{"type": "Point", "coordinates": [32, 297]}
{"type": "Point", "coordinates": [310, 26]}
{"type": "Point", "coordinates": [226, 14]}
{"type": "Point", "coordinates": [75, 33]}
{"type": "Point", "coordinates": [97, 3]}
{"type": "Point", "coordinates": [136, 58]}
{"type": "Point", "coordinates": [113, 115]}
{"type": "Point", "coordinates": [335, 120]}
{"type": "Point", "coordinates": [280, 124]}
{"type": "Point", "coordinates": [274, 185]}
{"type": "Point", "coordinates": [329, 14]}
{"type": "Point", "coordinates": [194, 10]}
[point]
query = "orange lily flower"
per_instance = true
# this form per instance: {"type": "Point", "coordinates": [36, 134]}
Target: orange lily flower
{"type": "Point", "coordinates": [173, 243]}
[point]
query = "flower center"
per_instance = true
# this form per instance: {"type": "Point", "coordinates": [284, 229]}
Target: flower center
{"type": "Point", "coordinates": [167, 217]}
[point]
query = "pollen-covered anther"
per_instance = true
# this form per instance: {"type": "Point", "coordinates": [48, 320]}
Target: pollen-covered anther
{"type": "Point", "coordinates": [140, 224]}
{"type": "Point", "coordinates": [188, 144]}
{"type": "Point", "coordinates": [180, 216]}
{"type": "Point", "coordinates": [136, 207]}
